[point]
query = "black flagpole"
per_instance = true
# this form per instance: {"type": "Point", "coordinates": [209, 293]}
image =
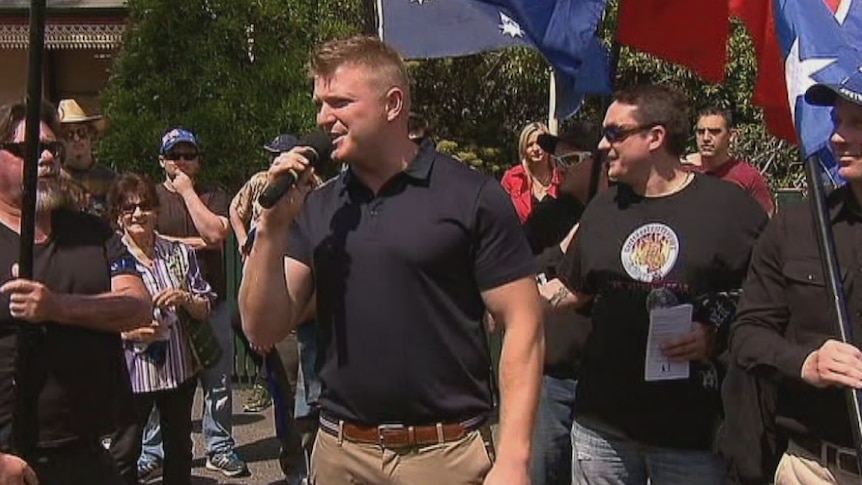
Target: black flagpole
{"type": "Point", "coordinates": [24, 429]}
{"type": "Point", "coordinates": [826, 241]}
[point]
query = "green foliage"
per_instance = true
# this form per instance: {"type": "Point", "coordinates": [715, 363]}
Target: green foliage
{"type": "Point", "coordinates": [232, 71]}
{"type": "Point", "coordinates": [481, 102]}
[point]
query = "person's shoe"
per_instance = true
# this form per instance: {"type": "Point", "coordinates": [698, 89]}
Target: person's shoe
{"type": "Point", "coordinates": [259, 399]}
{"type": "Point", "coordinates": [228, 464]}
{"type": "Point", "coordinates": [149, 472]}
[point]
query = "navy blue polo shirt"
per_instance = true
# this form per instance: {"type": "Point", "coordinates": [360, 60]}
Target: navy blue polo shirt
{"type": "Point", "coordinates": [399, 277]}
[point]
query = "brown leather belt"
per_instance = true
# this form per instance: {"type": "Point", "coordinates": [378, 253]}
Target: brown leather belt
{"type": "Point", "coordinates": [398, 435]}
{"type": "Point", "coordinates": [829, 454]}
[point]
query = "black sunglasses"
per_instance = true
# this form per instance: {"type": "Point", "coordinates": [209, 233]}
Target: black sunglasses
{"type": "Point", "coordinates": [182, 156]}
{"type": "Point", "coordinates": [616, 134]}
{"type": "Point", "coordinates": [19, 149]}
{"type": "Point", "coordinates": [81, 132]}
{"type": "Point", "coordinates": [129, 208]}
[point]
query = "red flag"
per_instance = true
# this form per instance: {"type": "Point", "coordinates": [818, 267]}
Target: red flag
{"type": "Point", "coordinates": [692, 33]}
{"type": "Point", "coordinates": [770, 92]}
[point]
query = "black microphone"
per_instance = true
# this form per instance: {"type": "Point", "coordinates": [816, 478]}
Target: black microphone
{"type": "Point", "coordinates": [317, 148]}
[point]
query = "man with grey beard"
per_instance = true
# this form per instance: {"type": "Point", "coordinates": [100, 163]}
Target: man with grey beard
{"type": "Point", "coordinates": [85, 291]}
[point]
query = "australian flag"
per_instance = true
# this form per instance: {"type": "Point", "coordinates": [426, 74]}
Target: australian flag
{"type": "Point", "coordinates": [819, 39]}
{"type": "Point", "coordinates": [564, 31]}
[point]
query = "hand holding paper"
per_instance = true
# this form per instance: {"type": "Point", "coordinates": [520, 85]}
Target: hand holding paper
{"type": "Point", "coordinates": [669, 324]}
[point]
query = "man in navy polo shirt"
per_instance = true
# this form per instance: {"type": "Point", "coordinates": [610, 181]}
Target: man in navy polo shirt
{"type": "Point", "coordinates": [405, 250]}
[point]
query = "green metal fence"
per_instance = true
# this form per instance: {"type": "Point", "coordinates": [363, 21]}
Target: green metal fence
{"type": "Point", "coordinates": [788, 197]}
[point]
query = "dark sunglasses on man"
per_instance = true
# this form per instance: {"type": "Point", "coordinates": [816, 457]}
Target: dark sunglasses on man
{"type": "Point", "coordinates": [19, 149]}
{"type": "Point", "coordinates": [617, 134]}
{"type": "Point", "coordinates": [81, 132]}
{"type": "Point", "coordinates": [182, 156]}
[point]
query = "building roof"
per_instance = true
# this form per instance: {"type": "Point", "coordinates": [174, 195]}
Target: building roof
{"type": "Point", "coordinates": [64, 4]}
{"type": "Point", "coordinates": [70, 24]}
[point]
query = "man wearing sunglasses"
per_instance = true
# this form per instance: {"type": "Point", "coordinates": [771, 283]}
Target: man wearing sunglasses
{"type": "Point", "coordinates": [67, 385]}
{"type": "Point", "coordinates": [547, 227]}
{"type": "Point", "coordinates": [196, 214]}
{"type": "Point", "coordinates": [653, 245]}
{"type": "Point", "coordinates": [89, 180]}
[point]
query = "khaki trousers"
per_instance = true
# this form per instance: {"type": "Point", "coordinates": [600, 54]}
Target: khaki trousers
{"type": "Point", "coordinates": [337, 461]}
{"type": "Point", "coordinates": [799, 467]}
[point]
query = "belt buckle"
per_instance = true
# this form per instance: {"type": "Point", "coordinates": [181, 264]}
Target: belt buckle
{"type": "Point", "coordinates": [385, 429]}
{"type": "Point", "coordinates": [843, 457]}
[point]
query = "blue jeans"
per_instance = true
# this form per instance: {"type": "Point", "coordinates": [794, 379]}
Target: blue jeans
{"type": "Point", "coordinates": [551, 462]}
{"type": "Point", "coordinates": [307, 383]}
{"type": "Point", "coordinates": [218, 404]}
{"type": "Point", "coordinates": [607, 458]}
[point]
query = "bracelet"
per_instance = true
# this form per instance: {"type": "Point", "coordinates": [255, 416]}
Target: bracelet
{"type": "Point", "coordinates": [559, 296]}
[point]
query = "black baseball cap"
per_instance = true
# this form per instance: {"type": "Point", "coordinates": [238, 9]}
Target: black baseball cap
{"type": "Point", "coordinates": [824, 94]}
{"type": "Point", "coordinates": [281, 143]}
{"type": "Point", "coordinates": [579, 135]}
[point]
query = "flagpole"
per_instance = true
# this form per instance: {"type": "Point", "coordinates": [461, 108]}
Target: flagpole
{"type": "Point", "coordinates": [552, 103]}
{"type": "Point", "coordinates": [826, 242]}
{"type": "Point", "coordinates": [379, 5]}
{"type": "Point", "coordinates": [24, 420]}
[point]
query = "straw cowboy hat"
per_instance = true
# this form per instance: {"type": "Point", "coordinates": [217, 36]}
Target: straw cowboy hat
{"type": "Point", "coordinates": [71, 112]}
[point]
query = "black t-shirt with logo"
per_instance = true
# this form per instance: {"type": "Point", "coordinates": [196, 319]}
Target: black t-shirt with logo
{"type": "Point", "coordinates": [674, 249]}
{"type": "Point", "coordinates": [84, 389]}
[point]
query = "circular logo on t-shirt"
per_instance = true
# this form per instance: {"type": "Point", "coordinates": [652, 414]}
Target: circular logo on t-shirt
{"type": "Point", "coordinates": [650, 252]}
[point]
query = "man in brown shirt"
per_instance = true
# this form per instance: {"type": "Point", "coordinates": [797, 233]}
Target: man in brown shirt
{"type": "Point", "coordinates": [196, 214]}
{"type": "Point", "coordinates": [86, 180]}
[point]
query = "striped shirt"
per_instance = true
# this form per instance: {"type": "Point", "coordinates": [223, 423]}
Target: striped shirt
{"type": "Point", "coordinates": [171, 262]}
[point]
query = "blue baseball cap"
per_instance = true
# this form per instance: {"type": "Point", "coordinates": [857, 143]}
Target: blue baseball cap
{"type": "Point", "coordinates": [850, 89]}
{"type": "Point", "coordinates": [281, 143]}
{"type": "Point", "coordinates": [175, 136]}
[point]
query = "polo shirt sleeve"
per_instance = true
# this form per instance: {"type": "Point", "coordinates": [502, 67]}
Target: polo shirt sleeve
{"type": "Point", "coordinates": [501, 252]}
{"type": "Point", "coordinates": [299, 242]}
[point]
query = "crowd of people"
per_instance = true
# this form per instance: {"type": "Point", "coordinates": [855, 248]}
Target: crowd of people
{"type": "Point", "coordinates": [662, 322]}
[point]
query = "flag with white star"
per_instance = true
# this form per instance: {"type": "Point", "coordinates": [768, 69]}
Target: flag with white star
{"type": "Point", "coordinates": [820, 40]}
{"type": "Point", "coordinates": [564, 31]}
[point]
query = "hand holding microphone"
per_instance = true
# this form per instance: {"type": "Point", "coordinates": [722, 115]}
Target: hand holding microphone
{"type": "Point", "coordinates": [292, 173]}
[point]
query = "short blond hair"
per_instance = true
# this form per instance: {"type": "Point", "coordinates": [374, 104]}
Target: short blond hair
{"type": "Point", "coordinates": [381, 60]}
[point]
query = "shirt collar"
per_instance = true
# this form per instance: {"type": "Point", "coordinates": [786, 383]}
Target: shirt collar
{"type": "Point", "coordinates": [843, 204]}
{"type": "Point", "coordinates": [419, 169]}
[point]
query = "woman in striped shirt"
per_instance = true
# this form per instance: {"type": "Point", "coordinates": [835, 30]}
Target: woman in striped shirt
{"type": "Point", "coordinates": [158, 356]}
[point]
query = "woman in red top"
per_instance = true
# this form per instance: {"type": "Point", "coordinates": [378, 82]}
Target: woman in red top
{"type": "Point", "coordinates": [535, 177]}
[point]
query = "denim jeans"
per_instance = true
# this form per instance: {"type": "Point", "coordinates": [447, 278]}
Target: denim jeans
{"type": "Point", "coordinates": [551, 462]}
{"type": "Point", "coordinates": [218, 404]}
{"type": "Point", "coordinates": [308, 384]}
{"type": "Point", "coordinates": [607, 458]}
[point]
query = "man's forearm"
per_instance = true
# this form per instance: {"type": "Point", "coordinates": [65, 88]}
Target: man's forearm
{"type": "Point", "coordinates": [212, 227]}
{"type": "Point", "coordinates": [108, 312]}
{"type": "Point", "coordinates": [264, 301]}
{"type": "Point", "coordinates": [238, 226]}
{"type": "Point", "coordinates": [521, 363]}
